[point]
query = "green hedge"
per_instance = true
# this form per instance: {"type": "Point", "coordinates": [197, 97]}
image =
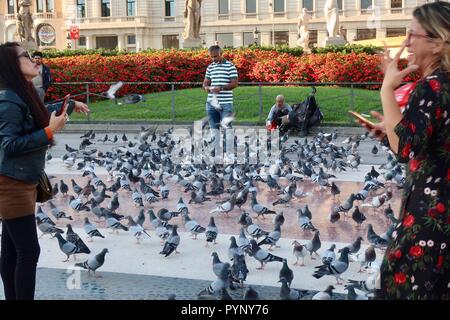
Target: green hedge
{"type": "Point", "coordinates": [297, 51]}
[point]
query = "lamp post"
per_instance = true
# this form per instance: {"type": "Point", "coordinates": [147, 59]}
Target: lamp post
{"type": "Point", "coordinates": [203, 44]}
{"type": "Point", "coordinates": [256, 33]}
{"type": "Point", "coordinates": [273, 22]}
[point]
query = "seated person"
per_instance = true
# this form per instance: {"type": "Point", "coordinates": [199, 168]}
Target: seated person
{"type": "Point", "coordinates": [278, 110]}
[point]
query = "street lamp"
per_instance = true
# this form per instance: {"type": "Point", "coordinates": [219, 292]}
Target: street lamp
{"type": "Point", "coordinates": [256, 33]}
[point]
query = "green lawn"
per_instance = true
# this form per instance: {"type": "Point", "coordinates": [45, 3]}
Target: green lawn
{"type": "Point", "coordinates": [190, 104]}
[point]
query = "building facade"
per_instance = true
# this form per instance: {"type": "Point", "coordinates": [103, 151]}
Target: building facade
{"type": "Point", "coordinates": [141, 24]}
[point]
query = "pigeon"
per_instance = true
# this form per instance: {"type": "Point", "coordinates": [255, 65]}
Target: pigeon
{"type": "Point", "coordinates": [365, 259]}
{"type": "Point", "coordinates": [352, 295]}
{"type": "Point", "coordinates": [335, 268]}
{"type": "Point", "coordinates": [243, 243]}
{"type": "Point", "coordinates": [279, 219]}
{"type": "Point", "coordinates": [355, 246]}
{"type": "Point", "coordinates": [172, 242]}
{"type": "Point", "coordinates": [272, 238]}
{"type": "Point", "coordinates": [47, 228]}
{"type": "Point", "coordinates": [192, 226]}
{"type": "Point", "coordinates": [111, 93]}
{"type": "Point", "coordinates": [44, 218]}
{"type": "Point", "coordinates": [367, 286]}
{"type": "Point", "coordinates": [375, 239]}
{"type": "Point", "coordinates": [136, 229]}
{"type": "Point", "coordinates": [238, 270]}
{"type": "Point", "coordinates": [114, 224]}
{"type": "Point", "coordinates": [358, 216]}
{"type": "Point", "coordinates": [226, 206]}
{"type": "Point", "coordinates": [260, 209]}
{"type": "Point", "coordinates": [216, 287]}
{"type": "Point", "coordinates": [286, 273]}
{"type": "Point", "coordinates": [324, 295]}
{"type": "Point", "coordinates": [58, 214]}
{"type": "Point", "coordinates": [64, 188]}
{"type": "Point", "coordinates": [251, 294]}
{"type": "Point", "coordinates": [94, 263]}
{"type": "Point", "coordinates": [374, 150]}
{"type": "Point", "coordinates": [299, 251]}
{"type": "Point", "coordinates": [233, 249]}
{"type": "Point", "coordinates": [217, 264]}
{"type": "Point", "coordinates": [91, 230]}
{"type": "Point", "coordinates": [287, 293]}
{"type": "Point", "coordinates": [68, 248]}
{"type": "Point", "coordinates": [74, 238]}
{"type": "Point", "coordinates": [335, 190]}
{"type": "Point", "coordinates": [211, 231]}
{"type": "Point", "coordinates": [304, 221]}
{"type": "Point", "coordinates": [255, 231]}
{"type": "Point", "coordinates": [313, 245]}
{"type": "Point", "coordinates": [329, 256]}
{"type": "Point", "coordinates": [262, 256]}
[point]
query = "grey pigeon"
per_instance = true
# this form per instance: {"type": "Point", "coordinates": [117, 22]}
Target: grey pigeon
{"type": "Point", "coordinates": [172, 242]}
{"type": "Point", "coordinates": [58, 214]}
{"type": "Point", "coordinates": [136, 229]}
{"type": "Point", "coordinates": [73, 237]}
{"type": "Point", "coordinates": [299, 251]}
{"type": "Point", "coordinates": [238, 270]}
{"type": "Point", "coordinates": [272, 238]}
{"type": "Point", "coordinates": [286, 293]}
{"type": "Point", "coordinates": [192, 226]}
{"type": "Point", "coordinates": [217, 264]}
{"type": "Point", "coordinates": [286, 273]}
{"type": "Point", "coordinates": [260, 209]}
{"type": "Point", "coordinates": [47, 228]}
{"type": "Point", "coordinates": [262, 256]}
{"type": "Point", "coordinates": [91, 230]}
{"type": "Point", "coordinates": [336, 268]}
{"type": "Point", "coordinates": [233, 249]}
{"type": "Point", "coordinates": [314, 245]}
{"type": "Point", "coordinates": [375, 239]}
{"type": "Point", "coordinates": [329, 256]}
{"type": "Point", "coordinates": [211, 231]}
{"type": "Point", "coordinates": [93, 263]}
{"type": "Point", "coordinates": [355, 246]}
{"type": "Point", "coordinates": [216, 287]}
{"type": "Point", "coordinates": [324, 295]}
{"type": "Point", "coordinates": [68, 248]}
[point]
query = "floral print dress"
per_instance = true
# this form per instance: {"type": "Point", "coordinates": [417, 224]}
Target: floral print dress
{"type": "Point", "coordinates": [417, 262]}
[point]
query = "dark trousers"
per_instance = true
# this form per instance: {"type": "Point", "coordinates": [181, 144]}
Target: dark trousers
{"type": "Point", "coordinates": [19, 256]}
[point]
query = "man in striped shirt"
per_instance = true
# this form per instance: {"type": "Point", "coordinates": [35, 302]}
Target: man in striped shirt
{"type": "Point", "coordinates": [221, 77]}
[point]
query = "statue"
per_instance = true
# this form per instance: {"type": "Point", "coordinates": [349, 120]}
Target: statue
{"type": "Point", "coordinates": [192, 19]}
{"type": "Point", "coordinates": [25, 21]}
{"type": "Point", "coordinates": [331, 12]}
{"type": "Point", "coordinates": [302, 29]}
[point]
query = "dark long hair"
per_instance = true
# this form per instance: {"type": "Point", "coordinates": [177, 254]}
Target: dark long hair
{"type": "Point", "coordinates": [12, 78]}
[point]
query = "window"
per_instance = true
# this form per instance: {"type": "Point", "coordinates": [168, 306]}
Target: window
{"type": "Point", "coordinates": [109, 42]}
{"type": "Point", "coordinates": [170, 41]}
{"type": "Point", "coordinates": [82, 41]}
{"type": "Point", "coordinates": [339, 3]}
{"type": "Point", "coordinates": [364, 34]}
{"type": "Point", "coordinates": [39, 5]}
{"type": "Point", "coordinates": [131, 8]}
{"type": "Point", "coordinates": [170, 8]}
{"type": "Point", "coordinates": [81, 9]}
{"type": "Point", "coordinates": [223, 7]}
{"type": "Point", "coordinates": [308, 4]}
{"type": "Point", "coordinates": [10, 6]}
{"type": "Point", "coordinates": [249, 39]}
{"type": "Point", "coordinates": [49, 5]}
{"type": "Point", "coordinates": [396, 6]}
{"type": "Point", "coordinates": [250, 6]}
{"type": "Point", "coordinates": [278, 6]}
{"type": "Point", "coordinates": [106, 8]}
{"type": "Point", "coordinates": [131, 39]}
{"type": "Point", "coordinates": [225, 40]}
{"type": "Point", "coordinates": [365, 4]}
{"type": "Point", "coordinates": [312, 38]}
{"type": "Point", "coordinates": [395, 32]}
{"type": "Point", "coordinates": [281, 38]}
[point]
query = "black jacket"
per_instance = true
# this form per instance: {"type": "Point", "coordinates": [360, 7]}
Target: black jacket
{"type": "Point", "coordinates": [46, 77]}
{"type": "Point", "coordinates": [22, 145]}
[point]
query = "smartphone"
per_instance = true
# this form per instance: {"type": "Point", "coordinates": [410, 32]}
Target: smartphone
{"type": "Point", "coordinates": [361, 118]}
{"type": "Point", "coordinates": [64, 105]}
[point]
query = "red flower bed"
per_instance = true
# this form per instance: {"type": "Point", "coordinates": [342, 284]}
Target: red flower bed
{"type": "Point", "coordinates": [189, 66]}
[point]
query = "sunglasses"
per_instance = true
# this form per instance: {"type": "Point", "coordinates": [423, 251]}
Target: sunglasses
{"type": "Point", "coordinates": [410, 34]}
{"type": "Point", "coordinates": [25, 54]}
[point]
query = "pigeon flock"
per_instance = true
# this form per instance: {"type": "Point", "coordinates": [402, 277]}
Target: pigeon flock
{"type": "Point", "coordinates": [237, 199]}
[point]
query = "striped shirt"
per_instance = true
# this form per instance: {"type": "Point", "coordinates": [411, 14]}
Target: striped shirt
{"type": "Point", "coordinates": [221, 74]}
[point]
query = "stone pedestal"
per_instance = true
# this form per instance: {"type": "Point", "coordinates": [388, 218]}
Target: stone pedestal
{"type": "Point", "coordinates": [334, 41]}
{"type": "Point", "coordinates": [192, 43]}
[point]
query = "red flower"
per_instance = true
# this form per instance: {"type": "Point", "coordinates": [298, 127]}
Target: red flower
{"type": "Point", "coordinates": [432, 213]}
{"type": "Point", "coordinates": [399, 278]}
{"type": "Point", "coordinates": [440, 261]}
{"type": "Point", "coordinates": [416, 251]}
{"type": "Point", "coordinates": [440, 207]}
{"type": "Point", "coordinates": [435, 85]}
{"type": "Point", "coordinates": [406, 150]}
{"type": "Point", "coordinates": [412, 127]}
{"type": "Point", "coordinates": [438, 113]}
{"type": "Point", "coordinates": [398, 254]}
{"type": "Point", "coordinates": [391, 256]}
{"type": "Point", "coordinates": [414, 165]}
{"type": "Point", "coordinates": [408, 221]}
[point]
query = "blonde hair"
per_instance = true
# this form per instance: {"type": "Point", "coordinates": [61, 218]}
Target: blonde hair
{"type": "Point", "coordinates": [435, 19]}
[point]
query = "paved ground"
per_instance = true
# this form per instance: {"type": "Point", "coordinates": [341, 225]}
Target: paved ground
{"type": "Point", "coordinates": [138, 272]}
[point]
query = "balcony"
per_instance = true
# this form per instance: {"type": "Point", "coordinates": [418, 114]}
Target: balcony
{"type": "Point", "coordinates": [47, 15]}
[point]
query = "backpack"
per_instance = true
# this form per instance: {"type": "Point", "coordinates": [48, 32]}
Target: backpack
{"type": "Point", "coordinates": [305, 113]}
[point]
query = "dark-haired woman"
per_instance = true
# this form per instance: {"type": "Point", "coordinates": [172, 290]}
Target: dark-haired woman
{"type": "Point", "coordinates": [26, 131]}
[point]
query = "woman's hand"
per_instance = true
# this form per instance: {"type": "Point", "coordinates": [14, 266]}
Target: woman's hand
{"type": "Point", "coordinates": [81, 107]}
{"type": "Point", "coordinates": [392, 75]}
{"type": "Point", "coordinates": [378, 129]}
{"type": "Point", "coordinates": [57, 123]}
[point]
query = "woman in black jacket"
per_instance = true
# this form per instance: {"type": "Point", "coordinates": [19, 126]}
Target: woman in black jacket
{"type": "Point", "coordinates": [26, 132]}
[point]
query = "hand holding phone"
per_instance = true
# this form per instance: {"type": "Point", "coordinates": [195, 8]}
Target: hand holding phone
{"type": "Point", "coordinates": [362, 119]}
{"type": "Point", "coordinates": [64, 105]}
